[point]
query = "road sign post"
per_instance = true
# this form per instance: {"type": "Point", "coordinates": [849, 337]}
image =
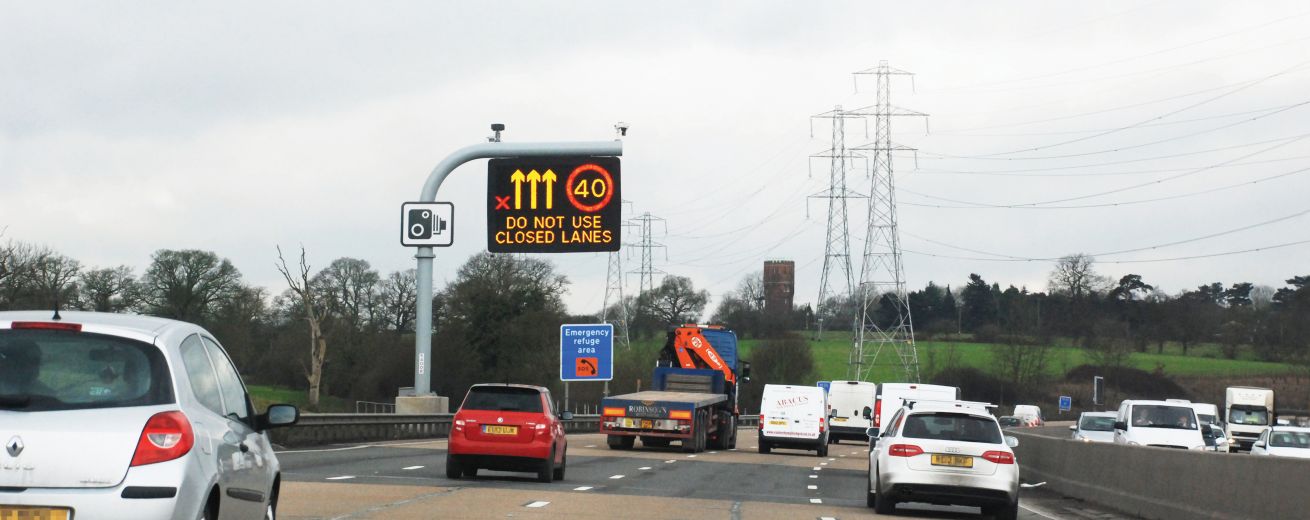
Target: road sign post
{"type": "Point", "coordinates": [1098, 390]}
{"type": "Point", "coordinates": [424, 256]}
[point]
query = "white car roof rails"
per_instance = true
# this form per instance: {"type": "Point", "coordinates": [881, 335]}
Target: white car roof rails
{"type": "Point", "coordinates": [909, 403]}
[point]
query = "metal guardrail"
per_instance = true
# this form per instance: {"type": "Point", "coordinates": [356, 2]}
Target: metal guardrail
{"type": "Point", "coordinates": [374, 407]}
{"type": "Point", "coordinates": [333, 428]}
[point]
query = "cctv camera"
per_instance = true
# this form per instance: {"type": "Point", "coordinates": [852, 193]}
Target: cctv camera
{"type": "Point", "coordinates": [498, 127]}
{"type": "Point", "coordinates": [622, 128]}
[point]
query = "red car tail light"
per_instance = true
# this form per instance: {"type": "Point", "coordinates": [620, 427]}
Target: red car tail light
{"type": "Point", "coordinates": [46, 325]}
{"type": "Point", "coordinates": [904, 450]}
{"type": "Point", "coordinates": [167, 436]}
{"type": "Point", "coordinates": [820, 425]}
{"type": "Point", "coordinates": [877, 414]}
{"type": "Point", "coordinates": [761, 425]}
{"type": "Point", "coordinates": [999, 457]}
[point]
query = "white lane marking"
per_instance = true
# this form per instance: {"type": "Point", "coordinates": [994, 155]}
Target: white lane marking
{"type": "Point", "coordinates": [644, 468]}
{"type": "Point", "coordinates": [669, 461]}
{"type": "Point", "coordinates": [816, 500]}
{"type": "Point", "coordinates": [583, 488]}
{"type": "Point", "coordinates": [814, 476]}
{"type": "Point", "coordinates": [816, 468]}
{"type": "Point", "coordinates": [590, 446]}
{"type": "Point", "coordinates": [827, 518]}
{"type": "Point", "coordinates": [823, 463]}
{"type": "Point", "coordinates": [347, 448]}
{"type": "Point", "coordinates": [538, 504]}
{"type": "Point", "coordinates": [343, 477]}
{"type": "Point", "coordinates": [713, 453]}
{"type": "Point", "coordinates": [811, 486]}
{"type": "Point", "coordinates": [412, 468]}
{"type": "Point", "coordinates": [831, 459]}
{"type": "Point", "coordinates": [691, 456]}
{"type": "Point", "coordinates": [1039, 512]}
{"type": "Point", "coordinates": [842, 456]}
{"type": "Point", "coordinates": [616, 477]}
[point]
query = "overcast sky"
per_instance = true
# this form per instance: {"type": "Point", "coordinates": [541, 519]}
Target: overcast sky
{"type": "Point", "coordinates": [236, 127]}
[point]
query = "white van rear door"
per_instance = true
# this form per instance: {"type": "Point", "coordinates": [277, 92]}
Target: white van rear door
{"type": "Point", "coordinates": [792, 412]}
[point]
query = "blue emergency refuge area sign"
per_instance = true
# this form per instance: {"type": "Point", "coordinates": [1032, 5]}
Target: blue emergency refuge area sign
{"type": "Point", "coordinates": [586, 352]}
{"type": "Point", "coordinates": [1066, 403]}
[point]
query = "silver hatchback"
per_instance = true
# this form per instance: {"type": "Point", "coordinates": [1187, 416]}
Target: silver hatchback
{"type": "Point", "coordinates": [116, 416]}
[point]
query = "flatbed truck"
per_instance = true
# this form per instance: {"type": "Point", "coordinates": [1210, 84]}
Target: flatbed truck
{"type": "Point", "coordinates": [693, 399]}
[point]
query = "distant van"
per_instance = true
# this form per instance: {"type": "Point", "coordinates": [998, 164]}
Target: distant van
{"type": "Point", "coordinates": [850, 409]}
{"type": "Point", "coordinates": [1031, 415]}
{"type": "Point", "coordinates": [891, 397]}
{"type": "Point", "coordinates": [793, 417]}
{"type": "Point", "coordinates": [1158, 423]}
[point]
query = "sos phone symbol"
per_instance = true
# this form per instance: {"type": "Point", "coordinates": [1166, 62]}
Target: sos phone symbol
{"type": "Point", "coordinates": [587, 366]}
{"type": "Point", "coordinates": [427, 224]}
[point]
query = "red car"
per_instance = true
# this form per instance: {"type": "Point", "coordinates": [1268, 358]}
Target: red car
{"type": "Point", "coordinates": [508, 428]}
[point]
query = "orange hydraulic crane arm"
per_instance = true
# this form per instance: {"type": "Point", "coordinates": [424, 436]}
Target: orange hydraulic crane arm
{"type": "Point", "coordinates": [688, 341]}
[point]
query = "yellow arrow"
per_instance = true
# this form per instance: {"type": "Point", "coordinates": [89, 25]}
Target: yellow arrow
{"type": "Point", "coordinates": [550, 179]}
{"type": "Point", "coordinates": [534, 178]}
{"type": "Point", "coordinates": [517, 179]}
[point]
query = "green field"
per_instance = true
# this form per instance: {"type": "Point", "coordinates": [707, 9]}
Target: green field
{"type": "Point", "coordinates": [831, 356]}
{"type": "Point", "coordinates": [266, 395]}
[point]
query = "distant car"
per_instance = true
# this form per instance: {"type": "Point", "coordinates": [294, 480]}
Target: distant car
{"type": "Point", "coordinates": [508, 427]}
{"type": "Point", "coordinates": [1283, 441]}
{"type": "Point", "coordinates": [1010, 421]}
{"type": "Point", "coordinates": [123, 417]}
{"type": "Point", "coordinates": [946, 453]}
{"type": "Point", "coordinates": [1031, 415]}
{"type": "Point", "coordinates": [1215, 438]}
{"type": "Point", "coordinates": [1094, 427]}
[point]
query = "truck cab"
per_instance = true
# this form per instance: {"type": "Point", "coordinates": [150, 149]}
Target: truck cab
{"type": "Point", "coordinates": [1248, 410]}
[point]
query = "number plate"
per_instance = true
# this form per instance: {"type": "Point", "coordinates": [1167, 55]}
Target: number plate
{"type": "Point", "coordinates": [838, 419]}
{"type": "Point", "coordinates": [32, 513]}
{"type": "Point", "coordinates": [647, 424]}
{"type": "Point", "coordinates": [958, 461]}
{"type": "Point", "coordinates": [492, 429]}
{"type": "Point", "coordinates": [778, 423]}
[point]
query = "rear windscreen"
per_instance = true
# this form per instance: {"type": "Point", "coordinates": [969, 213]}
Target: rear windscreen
{"type": "Point", "coordinates": [503, 399]}
{"type": "Point", "coordinates": [1097, 424]}
{"type": "Point", "coordinates": [952, 427]}
{"type": "Point", "coordinates": [42, 370]}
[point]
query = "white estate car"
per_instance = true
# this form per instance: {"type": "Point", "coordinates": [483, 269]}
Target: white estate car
{"type": "Point", "coordinates": [107, 416]}
{"type": "Point", "coordinates": [947, 453]}
{"type": "Point", "coordinates": [1283, 441]}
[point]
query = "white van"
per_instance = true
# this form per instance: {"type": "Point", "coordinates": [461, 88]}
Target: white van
{"type": "Point", "coordinates": [1158, 423]}
{"type": "Point", "coordinates": [891, 397]}
{"type": "Point", "coordinates": [850, 409]}
{"type": "Point", "coordinates": [793, 417]}
{"type": "Point", "coordinates": [1030, 415]}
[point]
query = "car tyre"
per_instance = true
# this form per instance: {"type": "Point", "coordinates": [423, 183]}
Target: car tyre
{"type": "Point", "coordinates": [765, 448]}
{"type": "Point", "coordinates": [453, 469]}
{"type": "Point", "coordinates": [823, 450]}
{"type": "Point", "coordinates": [470, 471]}
{"type": "Point", "coordinates": [564, 462]}
{"type": "Point", "coordinates": [1007, 512]}
{"type": "Point", "coordinates": [868, 493]}
{"type": "Point", "coordinates": [882, 503]}
{"type": "Point", "coordinates": [546, 471]}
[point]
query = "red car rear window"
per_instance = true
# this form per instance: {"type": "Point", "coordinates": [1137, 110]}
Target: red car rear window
{"type": "Point", "coordinates": [503, 399]}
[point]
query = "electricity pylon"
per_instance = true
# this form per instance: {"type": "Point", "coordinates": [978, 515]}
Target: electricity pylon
{"type": "Point", "coordinates": [837, 246]}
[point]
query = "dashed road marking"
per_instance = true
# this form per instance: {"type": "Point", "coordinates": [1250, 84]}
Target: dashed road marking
{"type": "Point", "coordinates": [827, 518]}
{"type": "Point", "coordinates": [811, 486]}
{"type": "Point", "coordinates": [691, 456]}
{"type": "Point", "coordinates": [814, 476]}
{"type": "Point", "coordinates": [644, 468]}
{"type": "Point", "coordinates": [816, 468]}
{"type": "Point", "coordinates": [616, 477]}
{"type": "Point", "coordinates": [590, 446]}
{"type": "Point", "coordinates": [713, 453]}
{"type": "Point", "coordinates": [412, 468]}
{"type": "Point", "coordinates": [823, 463]}
{"type": "Point", "coordinates": [816, 500]}
{"type": "Point", "coordinates": [538, 503]}
{"type": "Point", "coordinates": [583, 488]}
{"type": "Point", "coordinates": [670, 461]}
{"type": "Point", "coordinates": [831, 459]}
{"type": "Point", "coordinates": [343, 477]}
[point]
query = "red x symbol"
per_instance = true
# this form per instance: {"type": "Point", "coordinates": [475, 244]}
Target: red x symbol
{"type": "Point", "coordinates": [502, 202]}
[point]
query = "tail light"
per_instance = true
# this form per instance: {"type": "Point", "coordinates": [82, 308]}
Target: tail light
{"type": "Point", "coordinates": [680, 414]}
{"type": "Point", "coordinates": [999, 457]}
{"type": "Point", "coordinates": [167, 436]}
{"type": "Point", "coordinates": [820, 425]}
{"type": "Point", "coordinates": [47, 325]}
{"type": "Point", "coordinates": [459, 425]}
{"type": "Point", "coordinates": [877, 414]}
{"type": "Point", "coordinates": [904, 450]}
{"type": "Point", "coordinates": [761, 425]}
{"type": "Point", "coordinates": [615, 411]}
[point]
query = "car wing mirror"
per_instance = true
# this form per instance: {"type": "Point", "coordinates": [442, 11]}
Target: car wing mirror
{"type": "Point", "coordinates": [566, 415]}
{"type": "Point", "coordinates": [1120, 425]}
{"type": "Point", "coordinates": [1073, 428]}
{"type": "Point", "coordinates": [280, 415]}
{"type": "Point", "coordinates": [1011, 441]}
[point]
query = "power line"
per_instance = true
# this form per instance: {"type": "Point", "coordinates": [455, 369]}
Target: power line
{"type": "Point", "coordinates": [1152, 260]}
{"type": "Point", "coordinates": [1004, 173]}
{"type": "Point", "coordinates": [1094, 130]}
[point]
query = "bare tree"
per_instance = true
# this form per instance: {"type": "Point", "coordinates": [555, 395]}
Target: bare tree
{"type": "Point", "coordinates": [1075, 276]}
{"type": "Point", "coordinates": [349, 287]}
{"type": "Point", "coordinates": [399, 296]}
{"type": "Point", "coordinates": [55, 276]}
{"type": "Point", "coordinates": [315, 312]}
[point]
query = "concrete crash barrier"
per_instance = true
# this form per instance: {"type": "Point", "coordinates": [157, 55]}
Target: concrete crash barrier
{"type": "Point", "coordinates": [335, 428]}
{"type": "Point", "coordinates": [1166, 484]}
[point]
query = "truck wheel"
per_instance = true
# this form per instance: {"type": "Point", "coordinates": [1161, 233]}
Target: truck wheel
{"type": "Point", "coordinates": [732, 433]}
{"type": "Point", "coordinates": [620, 442]}
{"type": "Point", "coordinates": [703, 439]}
{"type": "Point", "coordinates": [453, 469]}
{"type": "Point", "coordinates": [546, 471]}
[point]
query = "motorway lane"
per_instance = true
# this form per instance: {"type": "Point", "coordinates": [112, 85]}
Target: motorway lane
{"type": "Point", "coordinates": [407, 480]}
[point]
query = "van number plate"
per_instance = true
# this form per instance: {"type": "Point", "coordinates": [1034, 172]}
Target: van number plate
{"type": "Point", "coordinates": [958, 461]}
{"type": "Point", "coordinates": [32, 513]}
{"type": "Point", "coordinates": [778, 423]}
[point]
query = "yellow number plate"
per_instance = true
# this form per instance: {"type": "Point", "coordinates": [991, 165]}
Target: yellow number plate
{"type": "Point", "coordinates": [838, 419]}
{"type": "Point", "coordinates": [32, 513]}
{"type": "Point", "coordinates": [647, 424]}
{"type": "Point", "coordinates": [492, 429]}
{"type": "Point", "coordinates": [959, 461]}
{"type": "Point", "coordinates": [778, 423]}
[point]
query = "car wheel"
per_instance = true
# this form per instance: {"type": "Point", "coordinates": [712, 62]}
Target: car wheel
{"type": "Point", "coordinates": [546, 471]}
{"type": "Point", "coordinates": [559, 472]}
{"type": "Point", "coordinates": [1007, 512]}
{"type": "Point", "coordinates": [868, 494]}
{"type": "Point", "coordinates": [453, 469]}
{"type": "Point", "coordinates": [210, 511]}
{"type": "Point", "coordinates": [882, 503]}
{"type": "Point", "coordinates": [470, 471]}
{"type": "Point", "coordinates": [765, 448]}
{"type": "Point", "coordinates": [823, 450]}
{"type": "Point", "coordinates": [270, 512]}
